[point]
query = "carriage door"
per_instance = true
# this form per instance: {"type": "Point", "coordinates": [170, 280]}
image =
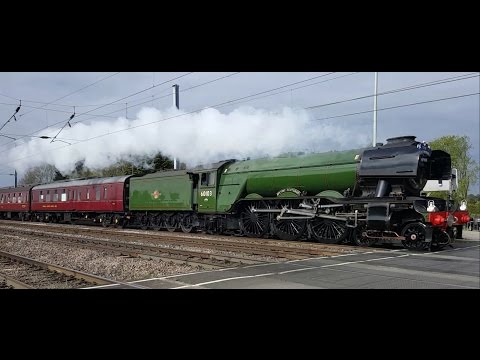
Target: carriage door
{"type": "Point", "coordinates": [207, 193]}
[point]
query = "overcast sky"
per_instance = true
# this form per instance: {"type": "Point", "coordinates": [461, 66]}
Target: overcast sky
{"type": "Point", "coordinates": [271, 122]}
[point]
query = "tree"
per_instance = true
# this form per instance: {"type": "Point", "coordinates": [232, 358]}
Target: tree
{"type": "Point", "coordinates": [161, 162]}
{"type": "Point", "coordinates": [40, 174]}
{"type": "Point", "coordinates": [473, 204]}
{"type": "Point", "coordinates": [81, 171]}
{"type": "Point", "coordinates": [458, 148]}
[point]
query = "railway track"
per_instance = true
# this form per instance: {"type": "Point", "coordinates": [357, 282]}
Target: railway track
{"type": "Point", "coordinates": [194, 258]}
{"type": "Point", "coordinates": [256, 247]}
{"type": "Point", "coordinates": [31, 274]}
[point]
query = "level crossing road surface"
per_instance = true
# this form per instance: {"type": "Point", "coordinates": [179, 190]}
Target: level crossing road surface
{"type": "Point", "coordinates": [456, 267]}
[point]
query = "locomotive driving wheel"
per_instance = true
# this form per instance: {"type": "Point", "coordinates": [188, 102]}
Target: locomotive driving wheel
{"type": "Point", "coordinates": [414, 236]}
{"type": "Point", "coordinates": [252, 223]}
{"type": "Point", "coordinates": [289, 229]}
{"type": "Point", "coordinates": [328, 231]}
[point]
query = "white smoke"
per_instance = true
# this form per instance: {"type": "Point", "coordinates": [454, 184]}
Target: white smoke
{"type": "Point", "coordinates": [204, 137]}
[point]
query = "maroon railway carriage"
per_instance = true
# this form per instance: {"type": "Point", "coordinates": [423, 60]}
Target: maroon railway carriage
{"type": "Point", "coordinates": [15, 202]}
{"type": "Point", "coordinates": [101, 200]}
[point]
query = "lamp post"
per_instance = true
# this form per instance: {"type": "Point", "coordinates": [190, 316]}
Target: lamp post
{"type": "Point", "coordinates": [374, 140]}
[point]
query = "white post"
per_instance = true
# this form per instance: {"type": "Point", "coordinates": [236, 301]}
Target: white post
{"type": "Point", "coordinates": [374, 140]}
{"type": "Point", "coordinates": [176, 103]}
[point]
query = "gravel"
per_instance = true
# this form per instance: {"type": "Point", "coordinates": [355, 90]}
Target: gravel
{"type": "Point", "coordinates": [100, 263]}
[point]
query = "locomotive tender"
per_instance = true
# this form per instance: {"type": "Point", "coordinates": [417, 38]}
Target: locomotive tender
{"type": "Point", "coordinates": [365, 196]}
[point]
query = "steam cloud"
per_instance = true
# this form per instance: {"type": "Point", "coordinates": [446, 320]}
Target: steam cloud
{"type": "Point", "coordinates": [201, 138]}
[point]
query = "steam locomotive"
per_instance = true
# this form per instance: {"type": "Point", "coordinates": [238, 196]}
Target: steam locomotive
{"type": "Point", "coordinates": [364, 196]}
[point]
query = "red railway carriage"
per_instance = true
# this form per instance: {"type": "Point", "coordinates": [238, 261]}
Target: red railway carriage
{"type": "Point", "coordinates": [98, 199]}
{"type": "Point", "coordinates": [15, 202]}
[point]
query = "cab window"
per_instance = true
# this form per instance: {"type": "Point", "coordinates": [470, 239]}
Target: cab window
{"type": "Point", "coordinates": [208, 179]}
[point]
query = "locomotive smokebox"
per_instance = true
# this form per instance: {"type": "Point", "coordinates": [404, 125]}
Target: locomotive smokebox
{"type": "Point", "coordinates": [403, 163]}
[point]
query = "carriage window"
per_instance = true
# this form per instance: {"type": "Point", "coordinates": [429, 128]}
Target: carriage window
{"type": "Point", "coordinates": [8, 198]}
{"type": "Point", "coordinates": [74, 194]}
{"type": "Point", "coordinates": [79, 195]}
{"type": "Point", "coordinates": [64, 195]}
{"type": "Point", "coordinates": [88, 194]}
{"type": "Point", "coordinates": [20, 198]}
{"type": "Point", "coordinates": [55, 196]}
{"type": "Point", "coordinates": [1, 199]}
{"type": "Point", "coordinates": [104, 193]}
{"type": "Point", "coordinates": [14, 198]}
{"type": "Point", "coordinates": [40, 198]}
{"type": "Point", "coordinates": [47, 197]}
{"type": "Point", "coordinates": [97, 193]}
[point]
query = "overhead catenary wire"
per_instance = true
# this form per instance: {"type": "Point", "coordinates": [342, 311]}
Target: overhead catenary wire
{"type": "Point", "coordinates": [103, 106]}
{"type": "Point", "coordinates": [160, 97]}
{"type": "Point", "coordinates": [411, 87]}
{"type": "Point", "coordinates": [300, 87]}
{"type": "Point", "coordinates": [393, 91]}
{"type": "Point", "coordinates": [9, 97]}
{"type": "Point", "coordinates": [396, 107]}
{"type": "Point", "coordinates": [168, 95]}
{"type": "Point", "coordinates": [131, 106]}
{"type": "Point", "coordinates": [74, 92]}
{"type": "Point", "coordinates": [147, 97]}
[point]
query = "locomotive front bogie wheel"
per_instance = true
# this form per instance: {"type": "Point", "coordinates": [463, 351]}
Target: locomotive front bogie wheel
{"type": "Point", "coordinates": [415, 235]}
{"type": "Point", "coordinates": [360, 238]}
{"type": "Point", "coordinates": [328, 231]}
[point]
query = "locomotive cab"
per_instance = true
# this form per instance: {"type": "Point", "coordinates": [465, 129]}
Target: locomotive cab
{"type": "Point", "coordinates": [207, 178]}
